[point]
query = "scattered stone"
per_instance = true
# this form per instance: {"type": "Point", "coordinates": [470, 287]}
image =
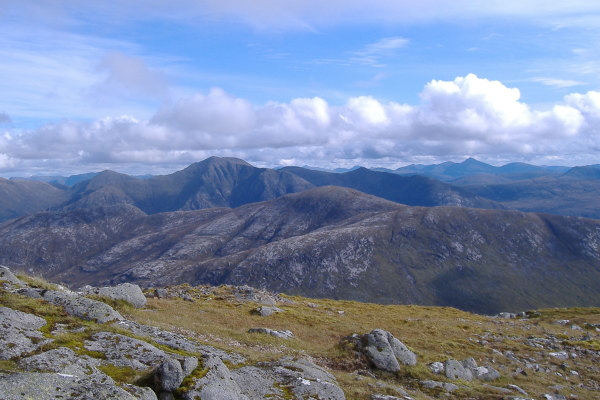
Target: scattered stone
{"type": "Point", "coordinates": [506, 315]}
{"type": "Point", "coordinates": [561, 322]}
{"type": "Point", "coordinates": [437, 367]}
{"type": "Point", "coordinates": [448, 387]}
{"type": "Point", "coordinates": [561, 355]}
{"type": "Point", "coordinates": [516, 388]}
{"type": "Point", "coordinates": [385, 397]}
{"type": "Point", "coordinates": [265, 311]}
{"type": "Point", "coordinates": [161, 293]}
{"type": "Point", "coordinates": [456, 370]}
{"type": "Point", "coordinates": [19, 333]}
{"type": "Point", "coordinates": [277, 334]}
{"type": "Point", "coordinates": [485, 373]}
{"type": "Point", "coordinates": [128, 292]}
{"type": "Point", "coordinates": [382, 350]}
{"type": "Point", "coordinates": [554, 397]}
{"type": "Point", "coordinates": [168, 376]}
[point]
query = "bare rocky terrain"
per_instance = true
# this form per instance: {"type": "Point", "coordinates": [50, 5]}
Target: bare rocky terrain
{"type": "Point", "coordinates": [213, 343]}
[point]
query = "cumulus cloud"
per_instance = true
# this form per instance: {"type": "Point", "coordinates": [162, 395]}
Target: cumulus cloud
{"type": "Point", "coordinates": [468, 116]}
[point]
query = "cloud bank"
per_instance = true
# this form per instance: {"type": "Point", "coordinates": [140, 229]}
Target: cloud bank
{"type": "Point", "coordinates": [468, 116]}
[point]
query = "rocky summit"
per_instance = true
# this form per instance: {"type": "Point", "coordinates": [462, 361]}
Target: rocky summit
{"type": "Point", "coordinates": [227, 342]}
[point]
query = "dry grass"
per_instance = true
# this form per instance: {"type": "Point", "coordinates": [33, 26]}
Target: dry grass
{"type": "Point", "coordinates": [434, 333]}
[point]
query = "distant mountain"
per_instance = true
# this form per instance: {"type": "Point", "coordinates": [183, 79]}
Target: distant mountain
{"type": "Point", "coordinates": [230, 182]}
{"type": "Point", "coordinates": [473, 169]}
{"type": "Point", "coordinates": [63, 180]}
{"type": "Point", "coordinates": [413, 190]}
{"type": "Point", "coordinates": [22, 197]}
{"type": "Point", "coordinates": [325, 242]}
{"type": "Point", "coordinates": [214, 182]}
{"type": "Point", "coordinates": [576, 193]}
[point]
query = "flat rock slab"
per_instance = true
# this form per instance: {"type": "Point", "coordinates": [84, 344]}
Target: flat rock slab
{"type": "Point", "coordinates": [124, 351]}
{"type": "Point", "coordinates": [272, 332]}
{"type": "Point", "coordinates": [178, 342]}
{"type": "Point", "coordinates": [77, 305]}
{"type": "Point", "coordinates": [51, 386]}
{"type": "Point", "coordinates": [19, 333]}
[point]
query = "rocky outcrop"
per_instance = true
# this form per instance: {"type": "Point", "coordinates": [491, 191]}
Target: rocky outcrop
{"type": "Point", "coordinates": [81, 367]}
{"type": "Point", "coordinates": [382, 350]}
{"type": "Point", "coordinates": [19, 333]}
{"type": "Point", "coordinates": [466, 370]}
{"type": "Point", "coordinates": [7, 276]}
{"type": "Point", "coordinates": [128, 292]}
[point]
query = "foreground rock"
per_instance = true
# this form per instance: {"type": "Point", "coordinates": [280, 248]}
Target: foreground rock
{"type": "Point", "coordinates": [382, 350]}
{"type": "Point", "coordinates": [157, 358]}
{"type": "Point", "coordinates": [19, 333]}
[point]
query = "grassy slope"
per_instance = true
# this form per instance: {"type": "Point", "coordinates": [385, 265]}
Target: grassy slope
{"type": "Point", "coordinates": [434, 333]}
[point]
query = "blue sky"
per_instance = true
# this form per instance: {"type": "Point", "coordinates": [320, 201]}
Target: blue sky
{"type": "Point", "coordinates": [151, 86]}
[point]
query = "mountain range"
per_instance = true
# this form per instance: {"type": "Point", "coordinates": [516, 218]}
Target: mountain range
{"type": "Point", "coordinates": [362, 235]}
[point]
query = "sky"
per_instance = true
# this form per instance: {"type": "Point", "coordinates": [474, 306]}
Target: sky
{"type": "Point", "coordinates": [149, 86]}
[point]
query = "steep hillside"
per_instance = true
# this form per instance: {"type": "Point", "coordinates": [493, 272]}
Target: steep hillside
{"type": "Point", "coordinates": [22, 197]}
{"type": "Point", "coordinates": [326, 242]}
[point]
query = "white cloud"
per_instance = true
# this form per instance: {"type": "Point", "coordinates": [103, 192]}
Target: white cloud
{"type": "Point", "coordinates": [559, 83]}
{"type": "Point", "coordinates": [468, 116]}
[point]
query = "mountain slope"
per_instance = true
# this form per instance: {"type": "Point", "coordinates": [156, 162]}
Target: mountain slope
{"type": "Point", "coordinates": [22, 197]}
{"type": "Point", "coordinates": [325, 242]}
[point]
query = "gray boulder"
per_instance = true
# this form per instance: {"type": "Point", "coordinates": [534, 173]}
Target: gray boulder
{"type": "Point", "coordinates": [383, 350]}
{"type": "Point", "coordinates": [168, 376]}
{"type": "Point", "coordinates": [302, 378]}
{"type": "Point", "coordinates": [128, 292]}
{"type": "Point", "coordinates": [217, 384]}
{"type": "Point", "coordinates": [265, 311]}
{"type": "Point", "coordinates": [6, 275]}
{"type": "Point", "coordinates": [485, 373]}
{"type": "Point", "coordinates": [64, 360]}
{"type": "Point", "coordinates": [456, 370]}
{"type": "Point", "coordinates": [51, 386]}
{"type": "Point", "coordinates": [277, 334]}
{"type": "Point", "coordinates": [19, 333]}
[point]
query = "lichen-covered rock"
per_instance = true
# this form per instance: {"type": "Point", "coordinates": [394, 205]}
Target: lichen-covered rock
{"type": "Point", "coordinates": [51, 386]}
{"type": "Point", "coordinates": [217, 384]}
{"type": "Point", "coordinates": [79, 306]}
{"type": "Point", "coordinates": [302, 378]}
{"type": "Point", "coordinates": [272, 332]}
{"type": "Point", "coordinates": [128, 292]}
{"type": "Point", "coordinates": [179, 342]}
{"type": "Point", "coordinates": [383, 350]}
{"type": "Point", "coordinates": [456, 370]}
{"type": "Point", "coordinates": [19, 333]}
{"type": "Point", "coordinates": [168, 376]}
{"type": "Point", "coordinates": [124, 351]}
{"type": "Point", "coordinates": [485, 373]}
{"type": "Point", "coordinates": [65, 361]}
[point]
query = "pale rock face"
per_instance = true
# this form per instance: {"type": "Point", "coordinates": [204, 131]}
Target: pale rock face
{"type": "Point", "coordinates": [126, 291]}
